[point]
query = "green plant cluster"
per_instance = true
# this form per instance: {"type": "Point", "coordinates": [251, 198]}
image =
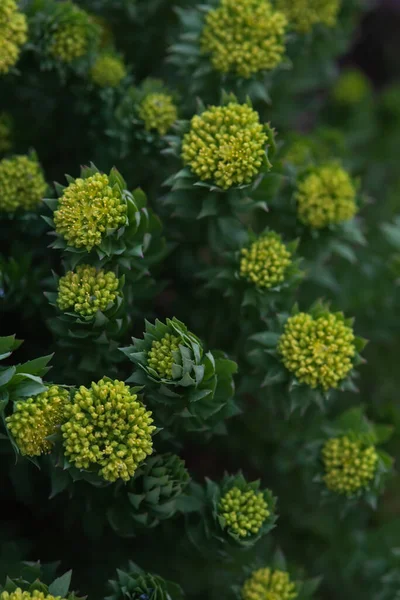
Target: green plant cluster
{"type": "Point", "coordinates": [199, 234]}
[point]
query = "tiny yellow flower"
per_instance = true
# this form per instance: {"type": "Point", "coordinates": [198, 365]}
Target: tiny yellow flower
{"type": "Point", "coordinates": [158, 111]}
{"type": "Point", "coordinates": [108, 71]}
{"type": "Point", "coordinates": [244, 37]}
{"type": "Point", "coordinates": [318, 351]}
{"type": "Point", "coordinates": [160, 356]}
{"type": "Point", "coordinates": [22, 184]}
{"type": "Point", "coordinates": [18, 594]}
{"type": "Point", "coordinates": [269, 584]}
{"type": "Point", "coordinates": [87, 209]}
{"type": "Point", "coordinates": [13, 34]}
{"type": "Point", "coordinates": [303, 15]}
{"type": "Point", "coordinates": [326, 196]}
{"type": "Point", "coordinates": [34, 419]}
{"type": "Point", "coordinates": [351, 87]}
{"type": "Point", "coordinates": [106, 426]}
{"type": "Point", "coordinates": [266, 261]}
{"type": "Point", "coordinates": [87, 290]}
{"type": "Point", "coordinates": [71, 37]}
{"type": "Point", "coordinates": [225, 145]}
{"type": "Point", "coordinates": [244, 512]}
{"type": "Point", "coordinates": [350, 465]}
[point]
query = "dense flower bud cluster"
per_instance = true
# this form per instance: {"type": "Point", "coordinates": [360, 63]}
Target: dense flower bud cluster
{"type": "Point", "coordinates": [266, 261]}
{"type": "Point", "coordinates": [304, 14]}
{"type": "Point", "coordinates": [108, 70]}
{"type": "Point", "coordinates": [87, 209]}
{"type": "Point", "coordinates": [244, 512]}
{"type": "Point", "coordinates": [326, 196]}
{"type": "Point", "coordinates": [13, 34]}
{"type": "Point", "coordinates": [5, 133]}
{"type": "Point", "coordinates": [107, 426]}
{"type": "Point", "coordinates": [87, 290]}
{"type": "Point", "coordinates": [22, 184]}
{"type": "Point", "coordinates": [318, 351]}
{"type": "Point", "coordinates": [158, 111]}
{"type": "Point", "coordinates": [18, 594]}
{"type": "Point", "coordinates": [269, 584]}
{"type": "Point", "coordinates": [71, 37]}
{"type": "Point", "coordinates": [244, 36]}
{"type": "Point", "coordinates": [34, 419]}
{"type": "Point", "coordinates": [160, 357]}
{"type": "Point", "coordinates": [226, 145]}
{"type": "Point", "coordinates": [351, 87]}
{"type": "Point", "coordinates": [350, 465]}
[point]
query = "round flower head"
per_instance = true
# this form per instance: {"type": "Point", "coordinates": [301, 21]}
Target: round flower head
{"type": "Point", "coordinates": [13, 34]}
{"type": "Point", "coordinates": [107, 426]}
{"type": "Point", "coordinates": [71, 37]}
{"type": "Point", "coordinates": [304, 14]}
{"type": "Point", "coordinates": [244, 36]}
{"type": "Point", "coordinates": [87, 209]}
{"type": "Point", "coordinates": [87, 290]}
{"type": "Point", "coordinates": [5, 133]}
{"type": "Point", "coordinates": [108, 70]}
{"type": "Point", "coordinates": [266, 261]}
{"type": "Point", "coordinates": [318, 351]}
{"type": "Point", "coordinates": [21, 183]}
{"type": "Point", "coordinates": [350, 465]}
{"type": "Point", "coordinates": [225, 145]}
{"type": "Point", "coordinates": [34, 419]}
{"type": "Point", "coordinates": [269, 584]}
{"type": "Point", "coordinates": [351, 88]}
{"type": "Point", "coordinates": [244, 511]}
{"type": "Point", "coordinates": [158, 111]}
{"type": "Point", "coordinates": [18, 594]}
{"type": "Point", "coordinates": [326, 196]}
{"type": "Point", "coordinates": [160, 357]}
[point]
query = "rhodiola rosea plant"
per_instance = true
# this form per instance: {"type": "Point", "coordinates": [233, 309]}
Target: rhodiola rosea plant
{"type": "Point", "coordinates": [199, 291]}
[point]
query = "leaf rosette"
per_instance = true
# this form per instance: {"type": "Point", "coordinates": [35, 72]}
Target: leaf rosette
{"type": "Point", "coordinates": [193, 389]}
{"type": "Point", "coordinates": [151, 496]}
{"type": "Point", "coordinates": [135, 584]}
{"type": "Point", "coordinates": [234, 514]}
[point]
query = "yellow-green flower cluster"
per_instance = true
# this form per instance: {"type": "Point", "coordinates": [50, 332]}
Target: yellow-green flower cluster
{"type": "Point", "coordinates": [244, 512]}
{"type": "Point", "coordinates": [160, 356]}
{"type": "Point", "coordinates": [108, 70]}
{"type": "Point", "coordinates": [351, 87]}
{"type": "Point", "coordinates": [34, 419]}
{"type": "Point", "coordinates": [158, 111]}
{"type": "Point", "coordinates": [87, 290]}
{"type": "Point", "coordinates": [299, 152]}
{"type": "Point", "coordinates": [266, 261]}
{"type": "Point", "coordinates": [326, 196]}
{"type": "Point", "coordinates": [318, 351]}
{"type": "Point", "coordinates": [226, 145]}
{"type": "Point", "coordinates": [13, 34]}
{"type": "Point", "coordinates": [87, 209]}
{"type": "Point", "coordinates": [18, 594]}
{"type": "Point", "coordinates": [350, 465]}
{"type": "Point", "coordinates": [5, 133]}
{"type": "Point", "coordinates": [22, 184]}
{"type": "Point", "coordinates": [71, 38]}
{"type": "Point", "coordinates": [304, 14]}
{"type": "Point", "coordinates": [269, 584]}
{"type": "Point", "coordinates": [107, 426]}
{"type": "Point", "coordinates": [244, 36]}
